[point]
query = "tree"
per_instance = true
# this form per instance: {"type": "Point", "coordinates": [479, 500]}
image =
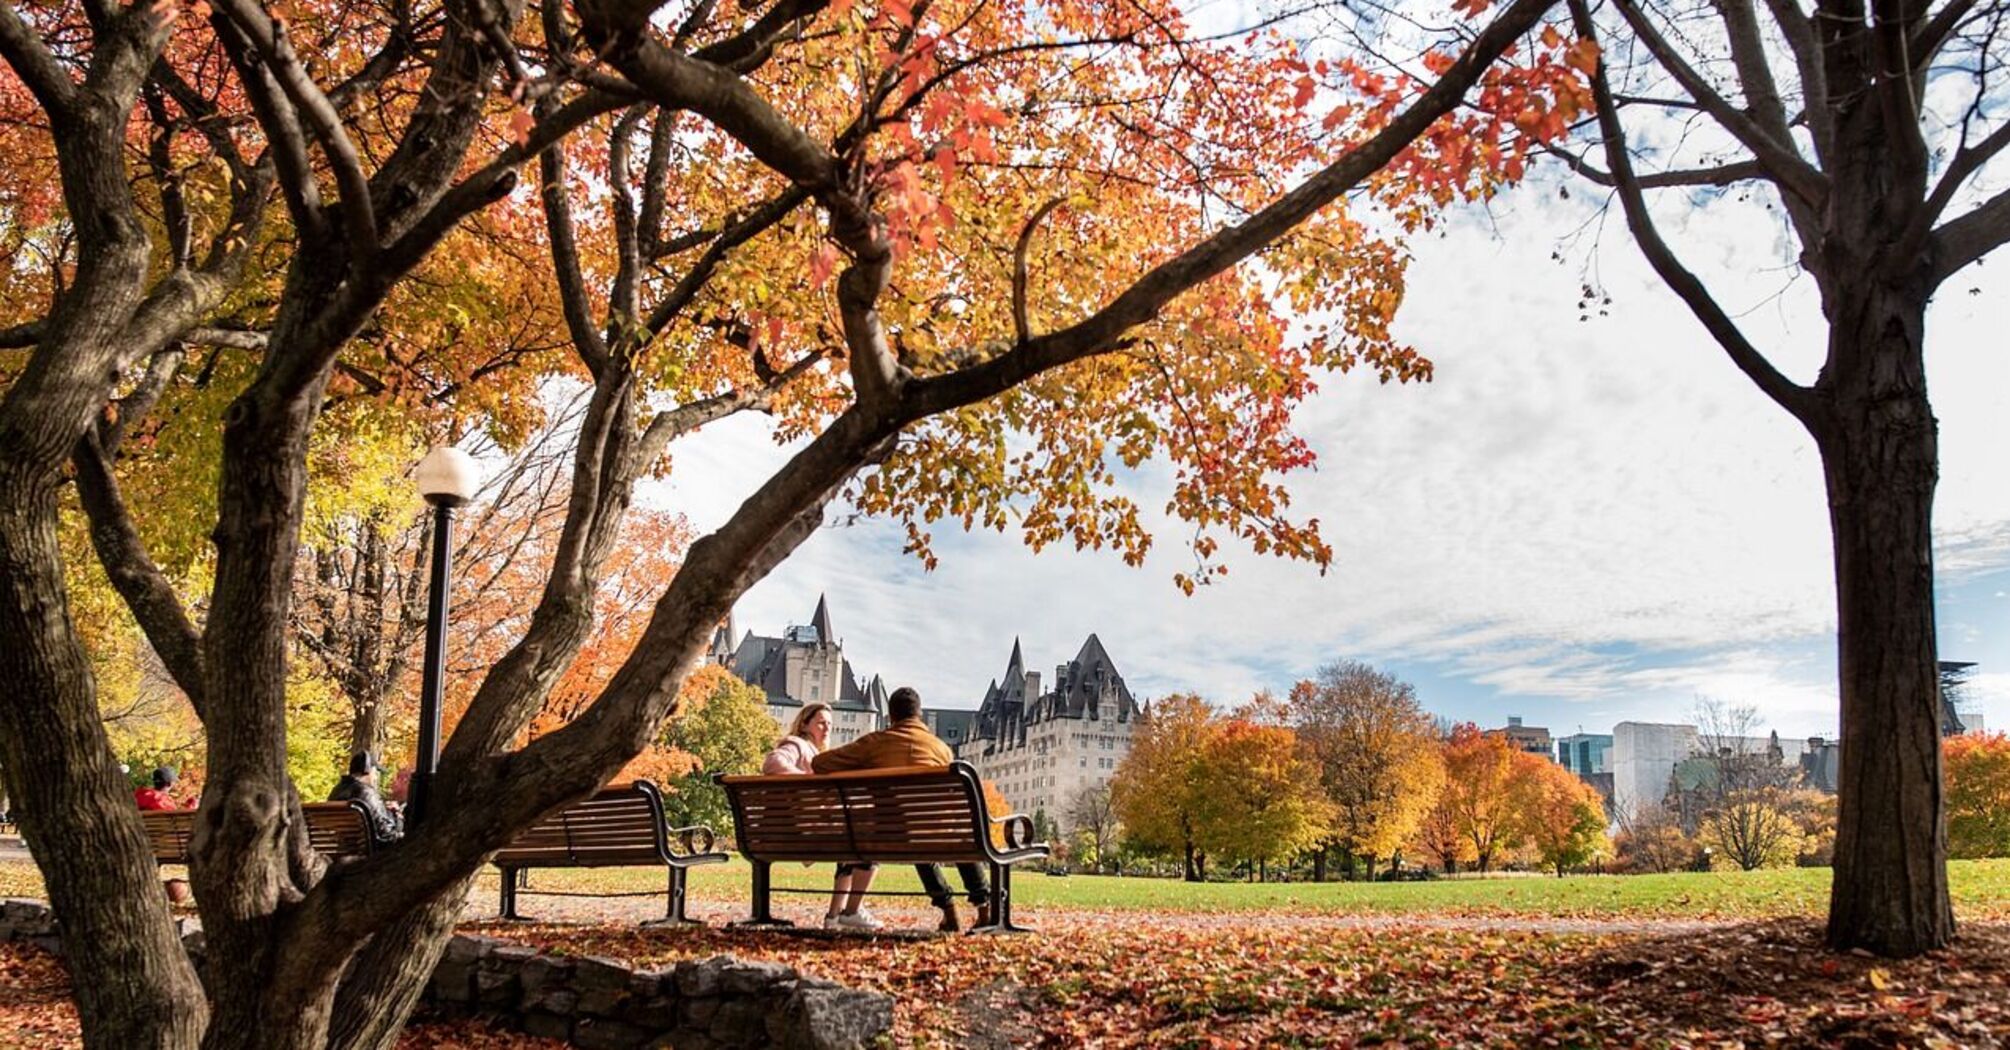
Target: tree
{"type": "Point", "coordinates": [1260, 800]}
{"type": "Point", "coordinates": [1653, 840]}
{"type": "Point", "coordinates": [1480, 770]}
{"type": "Point", "coordinates": [1754, 828]}
{"type": "Point", "coordinates": [1978, 795]}
{"type": "Point", "coordinates": [1092, 819]}
{"type": "Point", "coordinates": [1559, 815]}
{"type": "Point", "coordinates": [1375, 752]}
{"type": "Point", "coordinates": [345, 177]}
{"type": "Point", "coordinates": [1440, 837]}
{"type": "Point", "coordinates": [724, 727]}
{"type": "Point", "coordinates": [1884, 189]}
{"type": "Point", "coordinates": [1159, 790]}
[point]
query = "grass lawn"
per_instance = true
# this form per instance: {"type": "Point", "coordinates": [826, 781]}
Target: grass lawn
{"type": "Point", "coordinates": [1981, 889]}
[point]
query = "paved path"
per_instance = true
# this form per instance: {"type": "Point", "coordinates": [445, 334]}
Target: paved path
{"type": "Point", "coordinates": [12, 848]}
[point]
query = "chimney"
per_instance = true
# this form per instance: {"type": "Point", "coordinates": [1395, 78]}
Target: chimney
{"type": "Point", "coordinates": [1032, 686]}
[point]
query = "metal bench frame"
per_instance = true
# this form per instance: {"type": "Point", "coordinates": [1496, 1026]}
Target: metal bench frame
{"type": "Point", "coordinates": [696, 842]}
{"type": "Point", "coordinates": [866, 791]}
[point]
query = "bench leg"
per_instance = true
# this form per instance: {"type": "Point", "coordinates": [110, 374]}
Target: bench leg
{"type": "Point", "coordinates": [762, 916]}
{"type": "Point", "coordinates": [509, 885]}
{"type": "Point", "coordinates": [1001, 903]}
{"type": "Point", "coordinates": [674, 911]}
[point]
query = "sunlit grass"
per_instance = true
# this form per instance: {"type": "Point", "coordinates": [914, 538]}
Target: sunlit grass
{"type": "Point", "coordinates": [1981, 889]}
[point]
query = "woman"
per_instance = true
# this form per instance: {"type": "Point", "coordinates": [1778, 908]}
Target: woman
{"type": "Point", "coordinates": [808, 735]}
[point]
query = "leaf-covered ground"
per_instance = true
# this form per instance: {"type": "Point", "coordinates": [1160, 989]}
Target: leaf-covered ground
{"type": "Point", "coordinates": [1121, 979]}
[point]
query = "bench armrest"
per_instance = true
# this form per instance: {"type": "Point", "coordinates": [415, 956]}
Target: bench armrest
{"type": "Point", "coordinates": [695, 839]}
{"type": "Point", "coordinates": [1018, 829]}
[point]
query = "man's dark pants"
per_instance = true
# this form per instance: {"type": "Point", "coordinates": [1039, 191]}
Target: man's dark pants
{"type": "Point", "coordinates": [938, 890]}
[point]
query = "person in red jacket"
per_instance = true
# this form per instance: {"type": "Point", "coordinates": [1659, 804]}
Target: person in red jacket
{"type": "Point", "coordinates": [157, 797]}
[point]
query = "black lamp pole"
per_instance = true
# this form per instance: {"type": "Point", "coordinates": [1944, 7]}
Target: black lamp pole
{"type": "Point", "coordinates": [447, 478]}
{"type": "Point", "coordinates": [433, 681]}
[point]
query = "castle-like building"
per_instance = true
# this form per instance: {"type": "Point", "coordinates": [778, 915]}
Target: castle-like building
{"type": "Point", "coordinates": [1043, 748]}
{"type": "Point", "coordinates": [805, 665]}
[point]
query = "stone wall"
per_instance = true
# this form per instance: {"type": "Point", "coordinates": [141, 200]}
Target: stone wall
{"type": "Point", "coordinates": [600, 1004]}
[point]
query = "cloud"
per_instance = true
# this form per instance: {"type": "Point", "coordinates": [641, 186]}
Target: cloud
{"type": "Point", "coordinates": [1574, 517]}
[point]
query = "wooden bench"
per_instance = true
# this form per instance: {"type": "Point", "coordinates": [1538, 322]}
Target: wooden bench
{"type": "Point", "coordinates": [336, 829]}
{"type": "Point", "coordinates": [620, 827]}
{"type": "Point", "coordinates": [916, 815]}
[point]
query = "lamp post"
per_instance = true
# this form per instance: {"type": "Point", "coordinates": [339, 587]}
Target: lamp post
{"type": "Point", "coordinates": [446, 477]}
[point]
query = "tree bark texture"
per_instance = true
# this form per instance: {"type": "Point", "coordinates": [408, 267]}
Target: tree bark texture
{"type": "Point", "coordinates": [76, 810]}
{"type": "Point", "coordinates": [1879, 457]}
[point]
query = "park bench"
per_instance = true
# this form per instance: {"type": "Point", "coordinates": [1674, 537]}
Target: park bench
{"type": "Point", "coordinates": [916, 815]}
{"type": "Point", "coordinates": [619, 827]}
{"type": "Point", "coordinates": [336, 829]}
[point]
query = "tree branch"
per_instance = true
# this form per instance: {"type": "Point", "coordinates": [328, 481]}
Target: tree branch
{"type": "Point", "coordinates": [131, 570]}
{"type": "Point", "coordinates": [1143, 299]}
{"type": "Point", "coordinates": [270, 39]}
{"type": "Point", "coordinates": [1022, 327]}
{"type": "Point", "coordinates": [1786, 166]}
{"type": "Point", "coordinates": [1789, 395]}
{"type": "Point", "coordinates": [557, 201]}
{"type": "Point", "coordinates": [1964, 240]}
{"type": "Point", "coordinates": [1722, 175]}
{"type": "Point", "coordinates": [1799, 31]}
{"type": "Point", "coordinates": [35, 65]}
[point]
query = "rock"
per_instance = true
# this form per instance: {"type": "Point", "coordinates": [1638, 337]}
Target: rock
{"type": "Point", "coordinates": [832, 1019]}
{"type": "Point", "coordinates": [698, 978]}
{"type": "Point", "coordinates": [602, 985]}
{"type": "Point", "coordinates": [453, 981]}
{"type": "Point", "coordinates": [740, 1022]}
{"type": "Point", "coordinates": [547, 1026]}
{"type": "Point", "coordinates": [658, 1013]}
{"type": "Point", "coordinates": [698, 1013]}
{"type": "Point", "coordinates": [752, 978]}
{"type": "Point", "coordinates": [599, 1033]}
{"type": "Point", "coordinates": [497, 988]}
{"type": "Point", "coordinates": [467, 948]}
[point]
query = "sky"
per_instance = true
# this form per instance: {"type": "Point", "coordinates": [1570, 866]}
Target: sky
{"type": "Point", "coordinates": [1587, 517]}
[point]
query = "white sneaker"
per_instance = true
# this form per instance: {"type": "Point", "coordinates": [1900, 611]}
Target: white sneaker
{"type": "Point", "coordinates": [859, 920]}
{"type": "Point", "coordinates": [834, 922]}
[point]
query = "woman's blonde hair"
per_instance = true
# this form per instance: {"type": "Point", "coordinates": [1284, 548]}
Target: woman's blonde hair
{"type": "Point", "coordinates": [802, 720]}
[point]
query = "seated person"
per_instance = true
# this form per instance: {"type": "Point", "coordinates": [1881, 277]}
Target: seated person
{"type": "Point", "coordinates": [361, 786]}
{"type": "Point", "coordinates": [907, 742]}
{"type": "Point", "coordinates": [808, 735]}
{"type": "Point", "coordinates": [157, 797]}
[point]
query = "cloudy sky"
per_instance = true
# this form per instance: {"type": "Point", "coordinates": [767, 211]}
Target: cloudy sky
{"type": "Point", "coordinates": [1579, 521]}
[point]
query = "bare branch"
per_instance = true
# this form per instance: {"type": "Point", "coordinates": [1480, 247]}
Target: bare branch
{"type": "Point", "coordinates": [1781, 161]}
{"type": "Point", "coordinates": [1964, 240]}
{"type": "Point", "coordinates": [1790, 396]}
{"type": "Point", "coordinates": [1722, 175]}
{"type": "Point", "coordinates": [1799, 31]}
{"type": "Point", "coordinates": [1932, 35]}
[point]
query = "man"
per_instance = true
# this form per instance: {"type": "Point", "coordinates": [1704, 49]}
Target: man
{"type": "Point", "coordinates": [361, 786]}
{"type": "Point", "coordinates": [907, 742]}
{"type": "Point", "coordinates": [157, 797]}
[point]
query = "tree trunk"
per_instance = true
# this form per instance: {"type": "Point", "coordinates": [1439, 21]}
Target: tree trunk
{"type": "Point", "coordinates": [1319, 863]}
{"type": "Point", "coordinates": [1879, 456]}
{"type": "Point", "coordinates": [74, 808]}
